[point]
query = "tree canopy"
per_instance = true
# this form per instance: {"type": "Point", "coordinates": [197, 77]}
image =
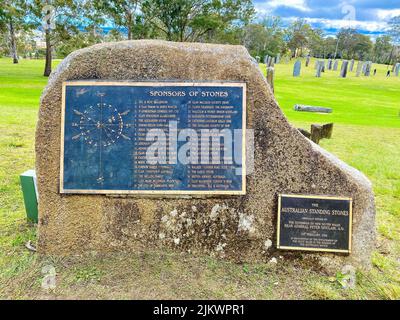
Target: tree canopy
{"type": "Point", "coordinates": [80, 23]}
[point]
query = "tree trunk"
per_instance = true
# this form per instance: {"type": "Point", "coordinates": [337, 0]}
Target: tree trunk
{"type": "Point", "coordinates": [13, 43]}
{"type": "Point", "coordinates": [47, 68]}
{"type": "Point", "coordinates": [129, 21]}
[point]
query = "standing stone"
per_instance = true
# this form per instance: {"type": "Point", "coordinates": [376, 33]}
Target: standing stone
{"type": "Point", "coordinates": [271, 62]}
{"type": "Point", "coordinates": [307, 61]}
{"type": "Point", "coordinates": [367, 70]}
{"type": "Point", "coordinates": [278, 59]}
{"type": "Point", "coordinates": [335, 65]}
{"type": "Point", "coordinates": [266, 59]}
{"type": "Point", "coordinates": [297, 68]}
{"type": "Point", "coordinates": [330, 64]}
{"type": "Point", "coordinates": [397, 69]}
{"type": "Point", "coordinates": [284, 162]}
{"type": "Point", "coordinates": [352, 65]}
{"type": "Point", "coordinates": [343, 71]}
{"type": "Point", "coordinates": [319, 69]}
{"type": "Point", "coordinates": [360, 65]}
{"type": "Point", "coordinates": [364, 67]}
{"type": "Point", "coordinates": [270, 77]}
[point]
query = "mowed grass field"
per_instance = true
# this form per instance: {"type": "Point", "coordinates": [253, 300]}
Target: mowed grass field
{"type": "Point", "coordinates": [366, 135]}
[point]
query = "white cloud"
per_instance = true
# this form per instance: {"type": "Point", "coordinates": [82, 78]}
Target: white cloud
{"type": "Point", "coordinates": [271, 5]}
{"type": "Point", "coordinates": [384, 14]}
{"type": "Point", "coordinates": [371, 26]}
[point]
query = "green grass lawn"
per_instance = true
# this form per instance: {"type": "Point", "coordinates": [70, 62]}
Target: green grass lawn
{"type": "Point", "coordinates": [366, 135]}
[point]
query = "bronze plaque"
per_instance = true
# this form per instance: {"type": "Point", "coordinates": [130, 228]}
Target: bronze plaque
{"type": "Point", "coordinates": [314, 223]}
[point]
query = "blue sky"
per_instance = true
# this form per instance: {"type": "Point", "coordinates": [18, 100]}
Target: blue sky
{"type": "Point", "coordinates": [367, 16]}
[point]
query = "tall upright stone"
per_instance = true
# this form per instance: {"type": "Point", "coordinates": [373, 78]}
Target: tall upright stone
{"type": "Point", "coordinates": [360, 66]}
{"type": "Point", "coordinates": [352, 65]}
{"type": "Point", "coordinates": [271, 62]}
{"type": "Point", "coordinates": [330, 64]}
{"type": "Point", "coordinates": [297, 68]}
{"type": "Point", "coordinates": [270, 77]}
{"type": "Point", "coordinates": [397, 69]}
{"type": "Point", "coordinates": [343, 70]}
{"type": "Point", "coordinates": [335, 65]}
{"type": "Point", "coordinates": [367, 69]}
{"type": "Point", "coordinates": [238, 227]}
{"type": "Point", "coordinates": [307, 61]}
{"type": "Point", "coordinates": [319, 69]}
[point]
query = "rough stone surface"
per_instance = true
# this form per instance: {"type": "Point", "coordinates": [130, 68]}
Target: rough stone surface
{"type": "Point", "coordinates": [240, 228]}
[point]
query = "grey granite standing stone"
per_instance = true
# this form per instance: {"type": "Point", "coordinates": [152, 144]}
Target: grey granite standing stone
{"type": "Point", "coordinates": [238, 228]}
{"type": "Point", "coordinates": [352, 65]}
{"type": "Point", "coordinates": [335, 65]}
{"type": "Point", "coordinates": [343, 71]}
{"type": "Point", "coordinates": [360, 66]}
{"type": "Point", "coordinates": [297, 68]}
{"type": "Point", "coordinates": [270, 77]}
{"type": "Point", "coordinates": [330, 64]}
{"type": "Point", "coordinates": [319, 69]}
{"type": "Point", "coordinates": [368, 67]}
{"type": "Point", "coordinates": [307, 61]}
{"type": "Point", "coordinates": [397, 69]}
{"type": "Point", "coordinates": [364, 67]}
{"type": "Point", "coordinates": [271, 62]}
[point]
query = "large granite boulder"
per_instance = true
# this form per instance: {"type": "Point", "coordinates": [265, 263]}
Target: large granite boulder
{"type": "Point", "coordinates": [240, 228]}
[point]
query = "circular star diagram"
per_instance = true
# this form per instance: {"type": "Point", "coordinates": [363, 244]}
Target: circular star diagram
{"type": "Point", "coordinates": [100, 125]}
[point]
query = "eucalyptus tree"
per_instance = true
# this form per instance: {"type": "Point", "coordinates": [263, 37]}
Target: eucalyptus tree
{"type": "Point", "coordinates": [58, 19]}
{"type": "Point", "coordinates": [12, 21]}
{"type": "Point", "coordinates": [122, 14]}
{"type": "Point", "coordinates": [192, 20]}
{"type": "Point", "coordinates": [394, 31]}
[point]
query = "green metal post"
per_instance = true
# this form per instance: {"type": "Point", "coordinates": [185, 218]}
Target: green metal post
{"type": "Point", "coordinates": [29, 190]}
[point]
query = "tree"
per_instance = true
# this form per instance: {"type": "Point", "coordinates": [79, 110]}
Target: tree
{"type": "Point", "coordinates": [383, 49]}
{"type": "Point", "coordinates": [330, 46]}
{"type": "Point", "coordinates": [275, 36]}
{"type": "Point", "coordinates": [12, 20]}
{"type": "Point", "coordinates": [192, 20]}
{"type": "Point", "coordinates": [297, 36]}
{"type": "Point", "coordinates": [362, 47]}
{"type": "Point", "coordinates": [316, 43]}
{"type": "Point", "coordinates": [346, 41]}
{"type": "Point", "coordinates": [394, 32]}
{"type": "Point", "coordinates": [58, 19]}
{"type": "Point", "coordinates": [123, 14]}
{"type": "Point", "coordinates": [352, 44]}
{"type": "Point", "coordinates": [255, 39]}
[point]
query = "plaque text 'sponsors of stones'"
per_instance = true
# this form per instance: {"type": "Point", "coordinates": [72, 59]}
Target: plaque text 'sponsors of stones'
{"type": "Point", "coordinates": [146, 137]}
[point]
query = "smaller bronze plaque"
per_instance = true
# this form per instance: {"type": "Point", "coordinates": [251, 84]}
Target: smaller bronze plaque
{"type": "Point", "coordinates": [314, 223]}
